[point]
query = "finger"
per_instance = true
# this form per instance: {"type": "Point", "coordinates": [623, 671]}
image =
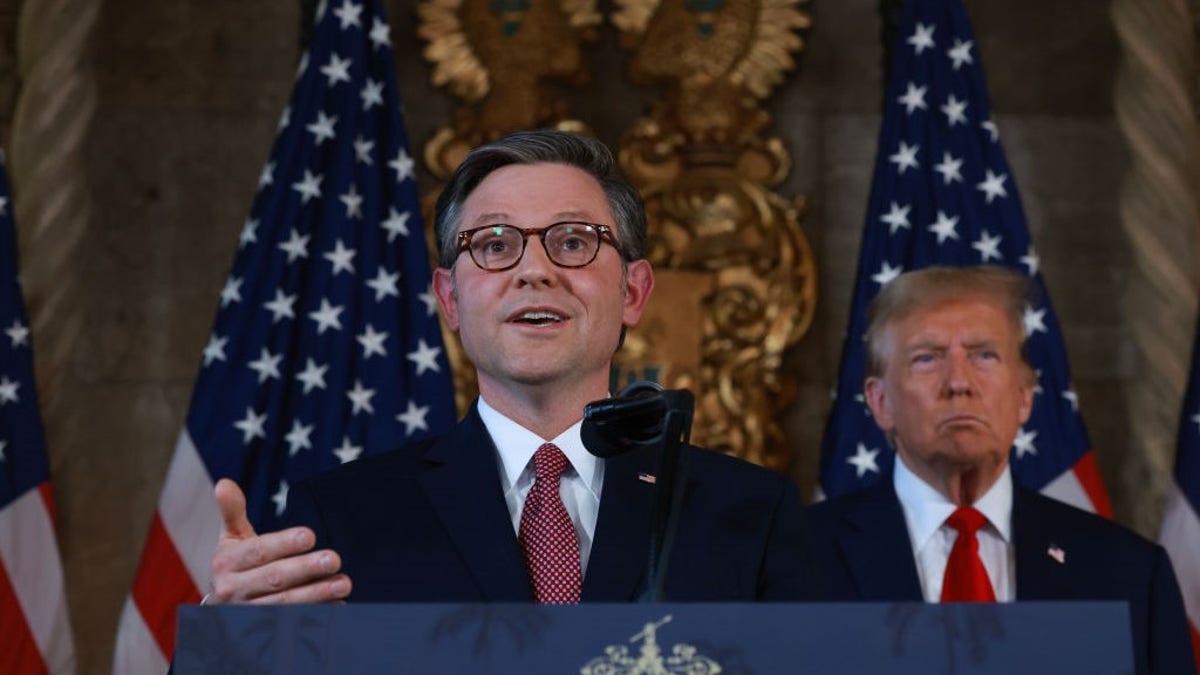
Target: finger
{"type": "Point", "coordinates": [232, 503]}
{"type": "Point", "coordinates": [240, 555]}
{"type": "Point", "coordinates": [332, 589]}
{"type": "Point", "coordinates": [277, 577]}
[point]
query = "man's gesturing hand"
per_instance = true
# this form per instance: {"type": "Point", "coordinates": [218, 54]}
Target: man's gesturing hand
{"type": "Point", "coordinates": [277, 567]}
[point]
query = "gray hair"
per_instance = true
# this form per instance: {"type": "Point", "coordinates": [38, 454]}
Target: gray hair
{"type": "Point", "coordinates": [536, 147]}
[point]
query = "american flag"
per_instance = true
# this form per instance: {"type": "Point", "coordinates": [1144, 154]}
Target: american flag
{"type": "Point", "coordinates": [1181, 520]}
{"type": "Point", "coordinates": [943, 194]}
{"type": "Point", "coordinates": [326, 345]}
{"type": "Point", "coordinates": [35, 636]}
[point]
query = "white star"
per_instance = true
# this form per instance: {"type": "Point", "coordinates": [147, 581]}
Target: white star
{"type": "Point", "coordinates": [396, 224]}
{"type": "Point", "coordinates": [313, 376]}
{"type": "Point", "coordinates": [353, 202]}
{"type": "Point", "coordinates": [1073, 399]}
{"type": "Point", "coordinates": [960, 53]}
{"type": "Point", "coordinates": [1031, 260]}
{"type": "Point", "coordinates": [913, 98]}
{"type": "Point", "coordinates": [249, 233]}
{"type": "Point", "coordinates": [1034, 320]}
{"type": "Point", "coordinates": [349, 14]}
{"type": "Point", "coordinates": [8, 390]}
{"type": "Point", "coordinates": [232, 291]}
{"type": "Point", "coordinates": [1037, 382]}
{"type": "Point", "coordinates": [298, 438]}
{"type": "Point", "coordinates": [993, 186]}
{"type": "Point", "coordinates": [337, 70]}
{"type": "Point", "coordinates": [886, 273]}
{"type": "Point", "coordinates": [326, 317]}
{"type": "Point", "coordinates": [905, 157]}
{"type": "Point", "coordinates": [303, 65]}
{"type": "Point", "coordinates": [372, 342]}
{"type": "Point", "coordinates": [310, 187]}
{"type": "Point", "coordinates": [3, 206]}
{"type": "Point", "coordinates": [280, 497]}
{"type": "Point", "coordinates": [251, 425]}
{"type": "Point", "coordinates": [945, 227]}
{"type": "Point", "coordinates": [341, 257]}
{"type": "Point", "coordinates": [955, 111]}
{"type": "Point", "coordinates": [922, 38]}
{"type": "Point", "coordinates": [362, 150]}
{"type": "Point", "coordinates": [322, 129]}
{"type": "Point", "coordinates": [988, 246]}
{"type": "Point", "coordinates": [321, 7]}
{"type": "Point", "coordinates": [285, 118]}
{"type": "Point", "coordinates": [371, 94]}
{"type": "Point", "coordinates": [425, 357]}
{"type": "Point", "coordinates": [348, 452]}
{"type": "Point", "coordinates": [282, 306]}
{"type": "Point", "coordinates": [414, 418]}
{"type": "Point", "coordinates": [403, 164]}
{"type": "Point", "coordinates": [949, 168]}
{"type": "Point", "coordinates": [990, 127]}
{"type": "Point", "coordinates": [3, 444]}
{"type": "Point", "coordinates": [864, 460]}
{"type": "Point", "coordinates": [18, 333]}
{"type": "Point", "coordinates": [1023, 443]}
{"type": "Point", "coordinates": [380, 35]}
{"type": "Point", "coordinates": [215, 349]}
{"type": "Point", "coordinates": [296, 246]}
{"type": "Point", "coordinates": [267, 365]}
{"type": "Point", "coordinates": [360, 398]}
{"type": "Point", "coordinates": [384, 284]}
{"type": "Point", "coordinates": [267, 177]}
{"type": "Point", "coordinates": [430, 301]}
{"type": "Point", "coordinates": [897, 217]}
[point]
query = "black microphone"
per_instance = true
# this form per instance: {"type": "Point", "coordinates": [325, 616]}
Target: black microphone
{"type": "Point", "coordinates": [631, 420]}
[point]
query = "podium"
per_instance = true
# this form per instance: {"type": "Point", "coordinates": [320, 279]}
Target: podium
{"type": "Point", "coordinates": [694, 638]}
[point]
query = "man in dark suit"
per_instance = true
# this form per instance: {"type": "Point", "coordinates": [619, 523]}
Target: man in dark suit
{"type": "Point", "coordinates": [541, 270]}
{"type": "Point", "coordinates": [949, 384]}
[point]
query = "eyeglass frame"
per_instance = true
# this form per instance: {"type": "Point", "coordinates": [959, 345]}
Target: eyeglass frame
{"type": "Point", "coordinates": [605, 234]}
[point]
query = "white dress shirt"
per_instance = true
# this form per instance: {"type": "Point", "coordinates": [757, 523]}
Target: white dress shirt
{"type": "Point", "coordinates": [925, 513]}
{"type": "Point", "coordinates": [579, 487]}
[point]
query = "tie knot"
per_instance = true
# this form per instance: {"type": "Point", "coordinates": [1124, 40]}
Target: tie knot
{"type": "Point", "coordinates": [966, 519]}
{"type": "Point", "coordinates": [549, 463]}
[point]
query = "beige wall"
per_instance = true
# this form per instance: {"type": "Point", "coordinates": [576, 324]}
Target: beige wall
{"type": "Point", "coordinates": [189, 94]}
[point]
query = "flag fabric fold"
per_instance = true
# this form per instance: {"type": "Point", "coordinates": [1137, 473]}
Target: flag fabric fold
{"type": "Point", "coordinates": [35, 632]}
{"type": "Point", "coordinates": [326, 345]}
{"type": "Point", "coordinates": [1181, 519]}
{"type": "Point", "coordinates": [943, 194]}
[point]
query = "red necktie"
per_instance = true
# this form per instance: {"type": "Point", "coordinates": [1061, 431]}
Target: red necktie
{"type": "Point", "coordinates": [547, 536]}
{"type": "Point", "coordinates": [966, 579]}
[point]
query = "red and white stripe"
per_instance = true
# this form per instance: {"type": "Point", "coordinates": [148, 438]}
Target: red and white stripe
{"type": "Point", "coordinates": [35, 633]}
{"type": "Point", "coordinates": [1081, 487]}
{"type": "Point", "coordinates": [175, 567]}
{"type": "Point", "coordinates": [1181, 537]}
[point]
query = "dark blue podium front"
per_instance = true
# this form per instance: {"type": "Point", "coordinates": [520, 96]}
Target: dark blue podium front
{"type": "Point", "coordinates": [699, 638]}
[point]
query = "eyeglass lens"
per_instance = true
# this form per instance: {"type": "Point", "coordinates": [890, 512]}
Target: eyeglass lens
{"type": "Point", "coordinates": [567, 244]}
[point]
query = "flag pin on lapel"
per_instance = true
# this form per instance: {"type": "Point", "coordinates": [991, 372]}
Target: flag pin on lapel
{"type": "Point", "coordinates": [1059, 555]}
{"type": "Point", "coordinates": [647, 477]}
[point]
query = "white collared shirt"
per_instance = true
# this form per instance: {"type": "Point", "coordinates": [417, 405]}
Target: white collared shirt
{"type": "Point", "coordinates": [925, 513]}
{"type": "Point", "coordinates": [579, 487]}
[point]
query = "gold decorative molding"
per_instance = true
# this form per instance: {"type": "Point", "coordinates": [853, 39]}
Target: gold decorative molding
{"type": "Point", "coordinates": [736, 272]}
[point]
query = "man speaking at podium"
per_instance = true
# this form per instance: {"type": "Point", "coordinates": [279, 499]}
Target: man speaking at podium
{"type": "Point", "coordinates": [949, 384]}
{"type": "Point", "coordinates": [541, 270]}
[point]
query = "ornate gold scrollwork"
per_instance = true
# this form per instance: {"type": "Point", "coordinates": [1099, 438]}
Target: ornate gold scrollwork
{"type": "Point", "coordinates": [735, 271]}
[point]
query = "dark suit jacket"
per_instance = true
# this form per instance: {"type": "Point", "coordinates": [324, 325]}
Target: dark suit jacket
{"type": "Point", "coordinates": [863, 553]}
{"type": "Point", "coordinates": [428, 523]}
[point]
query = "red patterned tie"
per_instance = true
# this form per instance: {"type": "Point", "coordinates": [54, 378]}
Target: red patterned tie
{"type": "Point", "coordinates": [547, 536]}
{"type": "Point", "coordinates": [966, 578]}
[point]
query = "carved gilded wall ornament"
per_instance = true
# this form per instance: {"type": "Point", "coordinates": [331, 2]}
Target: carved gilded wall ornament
{"type": "Point", "coordinates": [736, 278]}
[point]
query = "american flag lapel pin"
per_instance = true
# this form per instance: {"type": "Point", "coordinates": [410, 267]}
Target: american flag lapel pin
{"type": "Point", "coordinates": [1059, 555]}
{"type": "Point", "coordinates": [647, 477]}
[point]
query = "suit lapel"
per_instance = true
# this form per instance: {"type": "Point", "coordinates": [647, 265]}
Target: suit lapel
{"type": "Point", "coordinates": [1037, 546]}
{"type": "Point", "coordinates": [462, 482]}
{"type": "Point", "coordinates": [877, 551]}
{"type": "Point", "coordinates": [617, 564]}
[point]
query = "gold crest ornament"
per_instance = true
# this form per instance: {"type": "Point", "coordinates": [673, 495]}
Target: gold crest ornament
{"type": "Point", "coordinates": [650, 660]}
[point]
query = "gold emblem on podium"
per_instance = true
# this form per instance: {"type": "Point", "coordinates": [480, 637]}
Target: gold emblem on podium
{"type": "Point", "coordinates": [650, 660]}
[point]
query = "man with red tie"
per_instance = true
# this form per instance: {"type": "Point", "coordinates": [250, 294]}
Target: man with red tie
{"type": "Point", "coordinates": [541, 270]}
{"type": "Point", "coordinates": [949, 384]}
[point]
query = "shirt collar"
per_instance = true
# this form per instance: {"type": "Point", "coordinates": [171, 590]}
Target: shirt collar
{"type": "Point", "coordinates": [516, 445]}
{"type": "Point", "coordinates": [926, 509]}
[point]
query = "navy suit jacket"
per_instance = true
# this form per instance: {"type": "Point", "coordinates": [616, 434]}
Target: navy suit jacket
{"type": "Point", "coordinates": [428, 523]}
{"type": "Point", "coordinates": [863, 553]}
